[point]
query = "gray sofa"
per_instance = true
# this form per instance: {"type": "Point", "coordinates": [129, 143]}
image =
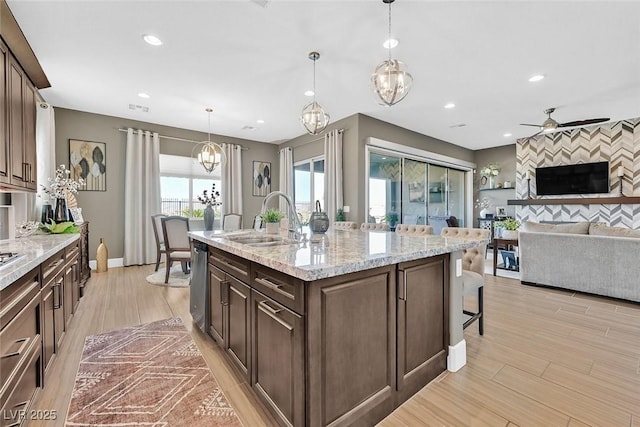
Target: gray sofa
{"type": "Point", "coordinates": [585, 257]}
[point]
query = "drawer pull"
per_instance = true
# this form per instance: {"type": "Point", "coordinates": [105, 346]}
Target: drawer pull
{"type": "Point", "coordinates": [270, 309]}
{"type": "Point", "coordinates": [233, 266]}
{"type": "Point", "coordinates": [53, 266]}
{"type": "Point", "coordinates": [24, 342]}
{"type": "Point", "coordinates": [58, 301]}
{"type": "Point", "coordinates": [273, 286]}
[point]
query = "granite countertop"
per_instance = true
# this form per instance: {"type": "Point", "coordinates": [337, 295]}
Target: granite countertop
{"type": "Point", "coordinates": [34, 250]}
{"type": "Point", "coordinates": [338, 252]}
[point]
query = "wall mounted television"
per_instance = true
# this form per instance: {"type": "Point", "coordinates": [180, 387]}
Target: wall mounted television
{"type": "Point", "coordinates": [582, 178]}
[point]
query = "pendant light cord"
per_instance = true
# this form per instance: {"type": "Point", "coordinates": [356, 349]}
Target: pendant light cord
{"type": "Point", "coordinates": [314, 79]}
{"type": "Point", "coordinates": [389, 38]}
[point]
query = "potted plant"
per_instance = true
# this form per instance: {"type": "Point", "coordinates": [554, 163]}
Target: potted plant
{"type": "Point", "coordinates": [509, 228]}
{"type": "Point", "coordinates": [340, 216]}
{"type": "Point", "coordinates": [272, 219]}
{"type": "Point", "coordinates": [392, 220]}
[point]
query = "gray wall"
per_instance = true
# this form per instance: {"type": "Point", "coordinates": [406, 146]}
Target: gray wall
{"type": "Point", "coordinates": [358, 128]}
{"type": "Point", "coordinates": [505, 157]}
{"type": "Point", "coordinates": [105, 209]}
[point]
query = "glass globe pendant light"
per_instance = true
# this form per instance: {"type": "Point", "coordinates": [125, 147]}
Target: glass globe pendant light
{"type": "Point", "coordinates": [313, 117]}
{"type": "Point", "coordinates": [211, 154]}
{"type": "Point", "coordinates": [390, 80]}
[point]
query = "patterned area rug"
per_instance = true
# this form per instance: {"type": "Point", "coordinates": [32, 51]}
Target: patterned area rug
{"type": "Point", "coordinates": [177, 278]}
{"type": "Point", "coordinates": [152, 375]}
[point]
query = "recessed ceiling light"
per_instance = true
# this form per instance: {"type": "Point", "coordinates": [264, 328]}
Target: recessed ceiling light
{"type": "Point", "coordinates": [450, 106]}
{"type": "Point", "coordinates": [536, 78]}
{"type": "Point", "coordinates": [260, 121]}
{"type": "Point", "coordinates": [152, 40]}
{"type": "Point", "coordinates": [390, 43]}
{"type": "Point", "coordinates": [144, 95]}
{"type": "Point", "coordinates": [507, 135]}
{"type": "Point", "coordinates": [309, 93]}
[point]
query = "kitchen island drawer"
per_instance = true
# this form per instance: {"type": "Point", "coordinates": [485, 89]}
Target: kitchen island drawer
{"type": "Point", "coordinates": [287, 290]}
{"type": "Point", "coordinates": [232, 264]}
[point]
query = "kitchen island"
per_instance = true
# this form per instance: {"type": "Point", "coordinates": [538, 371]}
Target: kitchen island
{"type": "Point", "coordinates": [339, 331]}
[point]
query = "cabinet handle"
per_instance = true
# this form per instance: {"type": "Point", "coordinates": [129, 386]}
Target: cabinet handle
{"type": "Point", "coordinates": [274, 286]}
{"type": "Point", "coordinates": [403, 286]}
{"type": "Point", "coordinates": [270, 309]}
{"type": "Point", "coordinates": [233, 266]}
{"type": "Point", "coordinates": [58, 286]}
{"type": "Point", "coordinates": [224, 292]}
{"type": "Point", "coordinates": [24, 342]}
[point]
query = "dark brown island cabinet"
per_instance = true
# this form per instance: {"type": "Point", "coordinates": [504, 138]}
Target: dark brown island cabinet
{"type": "Point", "coordinates": [345, 350]}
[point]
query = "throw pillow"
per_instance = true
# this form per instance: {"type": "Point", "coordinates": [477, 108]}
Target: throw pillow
{"type": "Point", "coordinates": [577, 228]}
{"type": "Point", "coordinates": [605, 230]}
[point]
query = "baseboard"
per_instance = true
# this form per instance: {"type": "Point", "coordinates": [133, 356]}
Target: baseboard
{"type": "Point", "coordinates": [111, 262]}
{"type": "Point", "coordinates": [457, 357]}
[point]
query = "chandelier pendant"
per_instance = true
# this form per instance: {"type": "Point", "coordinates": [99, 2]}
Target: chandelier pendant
{"type": "Point", "coordinates": [210, 154]}
{"type": "Point", "coordinates": [313, 117]}
{"type": "Point", "coordinates": [391, 81]}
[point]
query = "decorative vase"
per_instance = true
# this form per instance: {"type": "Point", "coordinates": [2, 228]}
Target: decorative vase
{"type": "Point", "coordinates": [102, 257]}
{"type": "Point", "coordinates": [47, 214]}
{"type": "Point", "coordinates": [61, 213]}
{"type": "Point", "coordinates": [273, 227]}
{"type": "Point", "coordinates": [510, 234]}
{"type": "Point", "coordinates": [209, 215]}
{"type": "Point", "coordinates": [483, 213]}
{"type": "Point", "coordinates": [492, 181]}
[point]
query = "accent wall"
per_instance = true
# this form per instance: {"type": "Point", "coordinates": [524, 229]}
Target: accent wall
{"type": "Point", "coordinates": [615, 142]}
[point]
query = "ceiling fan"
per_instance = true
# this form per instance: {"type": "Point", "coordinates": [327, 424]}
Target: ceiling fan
{"type": "Point", "coordinates": [550, 124]}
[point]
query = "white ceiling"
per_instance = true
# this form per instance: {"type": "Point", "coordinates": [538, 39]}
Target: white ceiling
{"type": "Point", "coordinates": [251, 62]}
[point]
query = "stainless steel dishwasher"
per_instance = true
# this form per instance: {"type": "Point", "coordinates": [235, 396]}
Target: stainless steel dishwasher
{"type": "Point", "coordinates": [199, 295]}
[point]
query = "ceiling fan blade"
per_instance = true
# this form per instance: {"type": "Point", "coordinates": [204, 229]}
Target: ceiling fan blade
{"type": "Point", "coordinates": [583, 122]}
{"type": "Point", "coordinates": [527, 124]}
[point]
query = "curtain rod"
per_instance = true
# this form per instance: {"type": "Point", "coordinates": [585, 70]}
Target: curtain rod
{"type": "Point", "coordinates": [176, 138]}
{"type": "Point", "coordinates": [314, 140]}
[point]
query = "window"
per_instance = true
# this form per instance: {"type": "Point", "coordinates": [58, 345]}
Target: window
{"type": "Point", "coordinates": [308, 186]}
{"type": "Point", "coordinates": [182, 180]}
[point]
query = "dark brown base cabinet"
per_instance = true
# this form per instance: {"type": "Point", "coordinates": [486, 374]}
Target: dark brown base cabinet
{"type": "Point", "coordinates": [346, 350]}
{"type": "Point", "coordinates": [34, 316]}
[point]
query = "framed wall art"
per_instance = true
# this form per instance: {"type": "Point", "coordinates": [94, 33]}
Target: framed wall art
{"type": "Point", "coordinates": [261, 178]}
{"type": "Point", "coordinates": [88, 160]}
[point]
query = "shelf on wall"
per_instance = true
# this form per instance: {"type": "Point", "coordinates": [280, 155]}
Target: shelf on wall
{"type": "Point", "coordinates": [622, 200]}
{"type": "Point", "coordinates": [492, 189]}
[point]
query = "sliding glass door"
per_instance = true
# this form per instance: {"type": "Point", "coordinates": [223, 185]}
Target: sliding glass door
{"type": "Point", "coordinates": [411, 191]}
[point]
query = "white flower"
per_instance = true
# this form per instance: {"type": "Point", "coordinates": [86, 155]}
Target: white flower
{"type": "Point", "coordinates": [491, 169]}
{"type": "Point", "coordinates": [61, 184]}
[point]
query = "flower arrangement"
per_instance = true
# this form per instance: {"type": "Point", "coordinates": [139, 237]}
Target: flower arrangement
{"type": "Point", "coordinates": [212, 200]}
{"type": "Point", "coordinates": [62, 184]}
{"type": "Point", "coordinates": [492, 169]}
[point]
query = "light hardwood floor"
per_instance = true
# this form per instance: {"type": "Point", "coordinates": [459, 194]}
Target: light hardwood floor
{"type": "Point", "coordinates": [547, 358]}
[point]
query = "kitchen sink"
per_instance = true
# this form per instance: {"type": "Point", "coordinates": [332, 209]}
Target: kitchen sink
{"type": "Point", "coordinates": [260, 240]}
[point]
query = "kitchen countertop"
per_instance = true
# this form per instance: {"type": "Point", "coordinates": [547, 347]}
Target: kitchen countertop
{"type": "Point", "coordinates": [338, 252]}
{"type": "Point", "coordinates": [34, 250]}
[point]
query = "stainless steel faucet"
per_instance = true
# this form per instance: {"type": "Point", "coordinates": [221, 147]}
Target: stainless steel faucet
{"type": "Point", "coordinates": [295, 228]}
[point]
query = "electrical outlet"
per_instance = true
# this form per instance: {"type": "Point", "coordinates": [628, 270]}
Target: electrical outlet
{"type": "Point", "coordinates": [345, 209]}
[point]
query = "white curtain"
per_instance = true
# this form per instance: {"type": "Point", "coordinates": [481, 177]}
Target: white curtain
{"type": "Point", "coordinates": [45, 147]}
{"type": "Point", "coordinates": [333, 173]}
{"type": "Point", "coordinates": [141, 196]}
{"type": "Point", "coordinates": [286, 177]}
{"type": "Point", "coordinates": [231, 180]}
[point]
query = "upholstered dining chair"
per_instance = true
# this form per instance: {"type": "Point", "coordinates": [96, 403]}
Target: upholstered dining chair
{"type": "Point", "coordinates": [231, 222]}
{"type": "Point", "coordinates": [414, 230]}
{"type": "Point", "coordinates": [374, 226]}
{"type": "Point", "coordinates": [176, 242]}
{"type": "Point", "coordinates": [472, 270]}
{"type": "Point", "coordinates": [344, 225]}
{"type": "Point", "coordinates": [157, 232]}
